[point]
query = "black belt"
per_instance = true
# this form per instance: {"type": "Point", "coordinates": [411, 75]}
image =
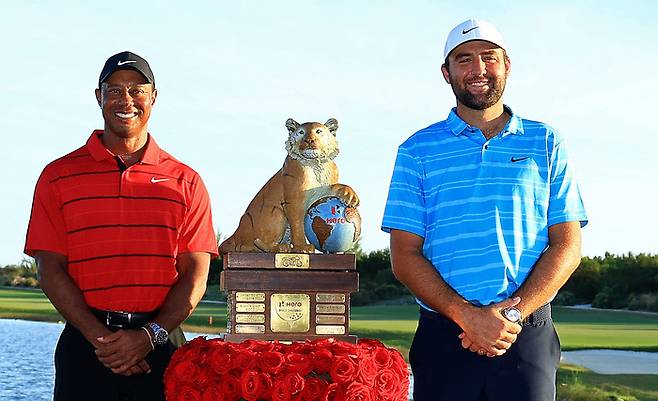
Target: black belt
{"type": "Point", "coordinates": [542, 314]}
{"type": "Point", "coordinates": [123, 320]}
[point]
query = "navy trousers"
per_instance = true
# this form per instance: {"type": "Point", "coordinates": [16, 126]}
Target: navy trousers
{"type": "Point", "coordinates": [79, 375]}
{"type": "Point", "coordinates": [444, 371]}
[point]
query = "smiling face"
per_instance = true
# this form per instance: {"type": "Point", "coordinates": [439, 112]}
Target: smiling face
{"type": "Point", "coordinates": [126, 99]}
{"type": "Point", "coordinates": [477, 72]}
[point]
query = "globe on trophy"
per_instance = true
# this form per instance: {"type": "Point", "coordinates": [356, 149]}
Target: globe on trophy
{"type": "Point", "coordinates": [331, 226]}
{"type": "Point", "coordinates": [278, 287]}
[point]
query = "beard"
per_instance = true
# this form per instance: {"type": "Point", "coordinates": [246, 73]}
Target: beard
{"type": "Point", "coordinates": [480, 101]}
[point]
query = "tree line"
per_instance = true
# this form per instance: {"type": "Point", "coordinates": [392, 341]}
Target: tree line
{"type": "Point", "coordinates": [628, 281]}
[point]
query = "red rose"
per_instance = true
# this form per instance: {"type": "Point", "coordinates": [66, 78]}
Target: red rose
{"type": "Point", "coordinates": [301, 347]}
{"type": "Point", "coordinates": [333, 392]}
{"type": "Point", "coordinates": [367, 370]}
{"type": "Point", "coordinates": [190, 351]}
{"type": "Point", "coordinates": [359, 392]}
{"type": "Point", "coordinates": [344, 348]}
{"type": "Point", "coordinates": [343, 370]}
{"type": "Point", "coordinates": [258, 345]}
{"type": "Point", "coordinates": [399, 365]}
{"type": "Point", "coordinates": [313, 388]}
{"type": "Point", "coordinates": [187, 393]}
{"type": "Point", "coordinates": [321, 360]}
{"type": "Point", "coordinates": [271, 362]}
{"type": "Point", "coordinates": [387, 385]}
{"type": "Point", "coordinates": [231, 387]}
{"type": "Point", "coordinates": [203, 379]}
{"type": "Point", "coordinates": [280, 391]}
{"type": "Point", "coordinates": [267, 386]}
{"type": "Point", "coordinates": [185, 372]}
{"type": "Point", "coordinates": [371, 343]}
{"type": "Point", "coordinates": [220, 361]}
{"type": "Point", "coordinates": [251, 385]}
{"type": "Point", "coordinates": [245, 359]}
{"type": "Point", "coordinates": [213, 392]}
{"type": "Point", "coordinates": [298, 363]}
{"type": "Point", "coordinates": [382, 358]}
{"type": "Point", "coordinates": [294, 382]}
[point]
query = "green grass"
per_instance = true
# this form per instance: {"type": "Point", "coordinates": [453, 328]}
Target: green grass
{"type": "Point", "coordinates": [579, 384]}
{"type": "Point", "coordinates": [395, 326]}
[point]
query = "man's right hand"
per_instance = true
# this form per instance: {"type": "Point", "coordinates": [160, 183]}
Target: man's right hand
{"type": "Point", "coordinates": [487, 331]}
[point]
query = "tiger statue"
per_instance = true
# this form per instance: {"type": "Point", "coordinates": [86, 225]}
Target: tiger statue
{"type": "Point", "coordinates": [276, 214]}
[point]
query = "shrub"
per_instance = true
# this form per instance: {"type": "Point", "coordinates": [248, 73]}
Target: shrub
{"type": "Point", "coordinates": [645, 302]}
{"type": "Point", "coordinates": [564, 298]}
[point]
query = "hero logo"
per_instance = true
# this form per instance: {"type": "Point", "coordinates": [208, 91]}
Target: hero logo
{"type": "Point", "coordinates": [335, 220]}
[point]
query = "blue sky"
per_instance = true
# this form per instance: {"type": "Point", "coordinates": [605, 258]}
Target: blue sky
{"type": "Point", "coordinates": [229, 75]}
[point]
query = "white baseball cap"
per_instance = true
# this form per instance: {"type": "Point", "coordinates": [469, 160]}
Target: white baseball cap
{"type": "Point", "coordinates": [472, 29]}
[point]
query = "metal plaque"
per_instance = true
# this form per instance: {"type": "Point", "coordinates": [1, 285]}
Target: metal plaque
{"type": "Point", "coordinates": [249, 328]}
{"type": "Point", "coordinates": [330, 319]}
{"type": "Point", "coordinates": [291, 261]}
{"type": "Point", "coordinates": [330, 308]}
{"type": "Point", "coordinates": [290, 313]}
{"type": "Point", "coordinates": [249, 318]}
{"type": "Point", "coordinates": [250, 296]}
{"type": "Point", "coordinates": [330, 298]}
{"type": "Point", "coordinates": [329, 329]}
{"type": "Point", "coordinates": [249, 308]}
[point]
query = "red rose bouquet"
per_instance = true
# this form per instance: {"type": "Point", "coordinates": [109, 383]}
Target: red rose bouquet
{"type": "Point", "coordinates": [322, 370]}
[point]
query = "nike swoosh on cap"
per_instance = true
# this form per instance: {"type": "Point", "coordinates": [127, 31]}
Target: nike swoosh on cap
{"type": "Point", "coordinates": [126, 62]}
{"type": "Point", "coordinates": [465, 31]}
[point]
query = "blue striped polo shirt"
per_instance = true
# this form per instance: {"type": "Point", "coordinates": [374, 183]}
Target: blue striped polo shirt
{"type": "Point", "coordinates": [483, 206]}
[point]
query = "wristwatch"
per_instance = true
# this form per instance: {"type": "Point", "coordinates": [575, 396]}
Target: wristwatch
{"type": "Point", "coordinates": [512, 314]}
{"type": "Point", "coordinates": [160, 335]}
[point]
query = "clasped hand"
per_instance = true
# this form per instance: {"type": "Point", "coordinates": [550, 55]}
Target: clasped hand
{"type": "Point", "coordinates": [123, 352]}
{"type": "Point", "coordinates": [487, 331]}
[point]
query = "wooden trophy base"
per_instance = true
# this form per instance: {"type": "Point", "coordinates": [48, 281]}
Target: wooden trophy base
{"type": "Point", "coordinates": [288, 297]}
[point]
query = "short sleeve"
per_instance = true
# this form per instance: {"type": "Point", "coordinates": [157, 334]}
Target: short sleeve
{"type": "Point", "coordinates": [565, 202]}
{"type": "Point", "coordinates": [197, 233]}
{"type": "Point", "coordinates": [405, 206]}
{"type": "Point", "coordinates": [46, 230]}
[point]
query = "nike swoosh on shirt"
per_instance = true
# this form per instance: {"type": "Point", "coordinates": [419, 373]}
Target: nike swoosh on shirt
{"type": "Point", "coordinates": [126, 62]}
{"type": "Point", "coordinates": [514, 160]}
{"type": "Point", "coordinates": [156, 180]}
{"type": "Point", "coordinates": [465, 31]}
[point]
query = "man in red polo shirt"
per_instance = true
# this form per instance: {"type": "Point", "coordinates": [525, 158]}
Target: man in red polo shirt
{"type": "Point", "coordinates": [122, 234]}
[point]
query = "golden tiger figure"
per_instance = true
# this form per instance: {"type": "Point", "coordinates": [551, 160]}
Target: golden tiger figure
{"type": "Point", "coordinates": [308, 174]}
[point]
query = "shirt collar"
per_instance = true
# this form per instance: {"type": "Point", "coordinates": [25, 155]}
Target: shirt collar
{"type": "Point", "coordinates": [99, 152]}
{"type": "Point", "coordinates": [460, 127]}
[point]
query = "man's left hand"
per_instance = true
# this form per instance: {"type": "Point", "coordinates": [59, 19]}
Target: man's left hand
{"type": "Point", "coordinates": [124, 351]}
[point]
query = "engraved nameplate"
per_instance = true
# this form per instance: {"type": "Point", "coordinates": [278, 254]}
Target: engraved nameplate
{"type": "Point", "coordinates": [290, 313]}
{"type": "Point", "coordinates": [330, 319]}
{"type": "Point", "coordinates": [249, 318]}
{"type": "Point", "coordinates": [330, 298]}
{"type": "Point", "coordinates": [291, 261]}
{"type": "Point", "coordinates": [329, 329]}
{"type": "Point", "coordinates": [330, 308]}
{"type": "Point", "coordinates": [249, 308]}
{"type": "Point", "coordinates": [250, 296]}
{"type": "Point", "coordinates": [249, 328]}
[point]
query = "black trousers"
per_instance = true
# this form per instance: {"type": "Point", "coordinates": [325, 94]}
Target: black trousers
{"type": "Point", "coordinates": [79, 375]}
{"type": "Point", "coordinates": [444, 371]}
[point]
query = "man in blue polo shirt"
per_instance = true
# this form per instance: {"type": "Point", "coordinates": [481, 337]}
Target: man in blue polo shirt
{"type": "Point", "coordinates": [484, 215]}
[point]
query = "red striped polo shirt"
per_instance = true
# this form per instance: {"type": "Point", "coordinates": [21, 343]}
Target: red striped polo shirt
{"type": "Point", "coordinates": [120, 228]}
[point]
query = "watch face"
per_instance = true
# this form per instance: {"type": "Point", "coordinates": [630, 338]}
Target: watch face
{"type": "Point", "coordinates": [161, 336]}
{"type": "Point", "coordinates": [512, 314]}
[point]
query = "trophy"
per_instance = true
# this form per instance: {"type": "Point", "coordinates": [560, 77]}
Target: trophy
{"type": "Point", "coordinates": [278, 287]}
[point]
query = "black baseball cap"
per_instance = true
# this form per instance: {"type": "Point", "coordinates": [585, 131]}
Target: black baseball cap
{"type": "Point", "coordinates": [126, 61]}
